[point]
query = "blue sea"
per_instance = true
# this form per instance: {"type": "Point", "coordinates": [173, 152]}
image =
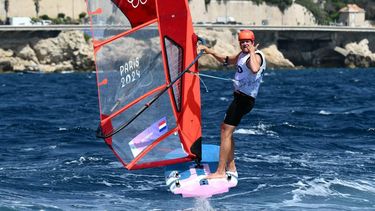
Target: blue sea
{"type": "Point", "coordinates": [309, 144]}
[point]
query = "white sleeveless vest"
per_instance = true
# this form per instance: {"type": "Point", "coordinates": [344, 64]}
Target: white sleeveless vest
{"type": "Point", "coordinates": [246, 81]}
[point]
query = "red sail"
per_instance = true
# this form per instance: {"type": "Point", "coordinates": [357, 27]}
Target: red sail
{"type": "Point", "coordinates": [137, 11]}
{"type": "Point", "coordinates": [143, 117]}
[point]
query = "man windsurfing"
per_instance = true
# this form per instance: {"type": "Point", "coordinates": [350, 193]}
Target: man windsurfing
{"type": "Point", "coordinates": [250, 64]}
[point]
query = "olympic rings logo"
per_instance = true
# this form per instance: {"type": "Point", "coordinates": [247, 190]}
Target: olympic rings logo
{"type": "Point", "coordinates": [135, 3]}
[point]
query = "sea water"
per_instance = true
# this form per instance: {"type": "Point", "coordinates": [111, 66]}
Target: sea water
{"type": "Point", "coordinates": [308, 144]}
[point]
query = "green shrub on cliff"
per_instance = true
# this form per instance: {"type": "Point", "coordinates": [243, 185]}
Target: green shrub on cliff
{"type": "Point", "coordinates": [282, 4]}
{"type": "Point", "coordinates": [44, 17]}
{"type": "Point", "coordinates": [320, 15]}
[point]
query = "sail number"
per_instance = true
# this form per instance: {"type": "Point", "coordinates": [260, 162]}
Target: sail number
{"type": "Point", "coordinates": [130, 72]}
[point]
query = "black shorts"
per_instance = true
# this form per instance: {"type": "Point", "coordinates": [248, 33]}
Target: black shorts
{"type": "Point", "coordinates": [241, 105]}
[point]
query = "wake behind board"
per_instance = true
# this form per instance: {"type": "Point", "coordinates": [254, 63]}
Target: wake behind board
{"type": "Point", "coordinates": [189, 180]}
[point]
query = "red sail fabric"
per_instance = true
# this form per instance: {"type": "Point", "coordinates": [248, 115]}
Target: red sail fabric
{"type": "Point", "coordinates": [175, 23]}
{"type": "Point", "coordinates": [137, 11]}
{"type": "Point", "coordinates": [133, 67]}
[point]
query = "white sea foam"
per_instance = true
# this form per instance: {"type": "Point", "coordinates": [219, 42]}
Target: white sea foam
{"type": "Point", "coordinates": [289, 125]}
{"type": "Point", "coordinates": [28, 149]}
{"type": "Point", "coordinates": [248, 132]}
{"type": "Point", "coordinates": [224, 99]}
{"type": "Point", "coordinates": [260, 187]}
{"type": "Point", "coordinates": [71, 162]}
{"type": "Point", "coordinates": [115, 164]}
{"type": "Point", "coordinates": [317, 187]}
{"type": "Point", "coordinates": [67, 71]}
{"type": "Point", "coordinates": [353, 153]}
{"type": "Point", "coordinates": [323, 112]}
{"type": "Point", "coordinates": [326, 187]}
{"type": "Point", "coordinates": [260, 129]}
{"type": "Point", "coordinates": [269, 74]}
{"type": "Point", "coordinates": [278, 159]}
{"type": "Point", "coordinates": [137, 174]}
{"type": "Point", "coordinates": [361, 185]}
{"type": "Point", "coordinates": [71, 178]}
{"type": "Point", "coordinates": [106, 183]}
{"type": "Point", "coordinates": [202, 205]}
{"type": "Point", "coordinates": [235, 195]}
{"type": "Point", "coordinates": [140, 187]}
{"type": "Point", "coordinates": [52, 147]}
{"type": "Point", "coordinates": [82, 160]}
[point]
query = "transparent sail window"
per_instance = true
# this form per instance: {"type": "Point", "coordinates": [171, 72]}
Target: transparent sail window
{"type": "Point", "coordinates": [107, 19]}
{"type": "Point", "coordinates": [174, 58]}
{"type": "Point", "coordinates": [155, 122]}
{"type": "Point", "coordinates": [128, 68]}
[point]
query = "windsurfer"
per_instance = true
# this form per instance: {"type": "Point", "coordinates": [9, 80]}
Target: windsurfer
{"type": "Point", "coordinates": [251, 64]}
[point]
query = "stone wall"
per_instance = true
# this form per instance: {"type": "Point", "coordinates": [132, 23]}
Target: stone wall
{"type": "Point", "coordinates": [249, 13]}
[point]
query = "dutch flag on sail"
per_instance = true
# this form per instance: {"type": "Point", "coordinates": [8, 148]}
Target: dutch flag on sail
{"type": "Point", "coordinates": [162, 125]}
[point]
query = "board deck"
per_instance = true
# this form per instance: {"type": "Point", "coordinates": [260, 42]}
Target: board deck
{"type": "Point", "coordinates": [189, 180]}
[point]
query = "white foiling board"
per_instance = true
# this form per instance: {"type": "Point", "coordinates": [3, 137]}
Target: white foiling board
{"type": "Point", "coordinates": [189, 180]}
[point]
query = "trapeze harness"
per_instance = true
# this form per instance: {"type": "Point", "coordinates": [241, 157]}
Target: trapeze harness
{"type": "Point", "coordinates": [246, 87]}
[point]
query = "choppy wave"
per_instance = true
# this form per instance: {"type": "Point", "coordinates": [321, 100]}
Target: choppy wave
{"type": "Point", "coordinates": [260, 129]}
{"type": "Point", "coordinates": [83, 160]}
{"type": "Point", "coordinates": [332, 188]}
{"type": "Point", "coordinates": [322, 112]}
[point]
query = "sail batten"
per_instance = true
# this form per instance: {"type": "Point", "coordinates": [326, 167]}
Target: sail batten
{"type": "Point", "coordinates": [98, 43]}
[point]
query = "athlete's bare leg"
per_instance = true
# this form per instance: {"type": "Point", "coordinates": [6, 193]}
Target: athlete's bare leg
{"type": "Point", "coordinates": [225, 151]}
{"type": "Point", "coordinates": [231, 166]}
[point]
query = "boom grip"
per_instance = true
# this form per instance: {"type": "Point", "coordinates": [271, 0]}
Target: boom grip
{"type": "Point", "coordinates": [203, 41]}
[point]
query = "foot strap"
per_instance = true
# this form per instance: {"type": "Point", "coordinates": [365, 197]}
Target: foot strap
{"type": "Point", "coordinates": [231, 174]}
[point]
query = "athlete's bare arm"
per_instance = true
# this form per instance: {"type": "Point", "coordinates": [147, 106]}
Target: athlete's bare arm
{"type": "Point", "coordinates": [221, 58]}
{"type": "Point", "coordinates": [254, 62]}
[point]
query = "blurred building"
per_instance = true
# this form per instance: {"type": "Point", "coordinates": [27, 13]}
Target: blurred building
{"type": "Point", "coordinates": [27, 8]}
{"type": "Point", "coordinates": [352, 15]}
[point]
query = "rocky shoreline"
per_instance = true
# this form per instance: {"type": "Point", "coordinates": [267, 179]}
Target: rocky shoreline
{"type": "Point", "coordinates": [72, 50]}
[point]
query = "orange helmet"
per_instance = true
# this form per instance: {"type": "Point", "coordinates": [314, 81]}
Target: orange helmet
{"type": "Point", "coordinates": [246, 35]}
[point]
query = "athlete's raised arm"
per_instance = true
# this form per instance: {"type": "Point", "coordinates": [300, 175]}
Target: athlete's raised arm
{"type": "Point", "coordinates": [228, 60]}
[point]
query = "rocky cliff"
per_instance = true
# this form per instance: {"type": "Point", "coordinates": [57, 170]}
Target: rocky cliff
{"type": "Point", "coordinates": [357, 54]}
{"type": "Point", "coordinates": [68, 51]}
